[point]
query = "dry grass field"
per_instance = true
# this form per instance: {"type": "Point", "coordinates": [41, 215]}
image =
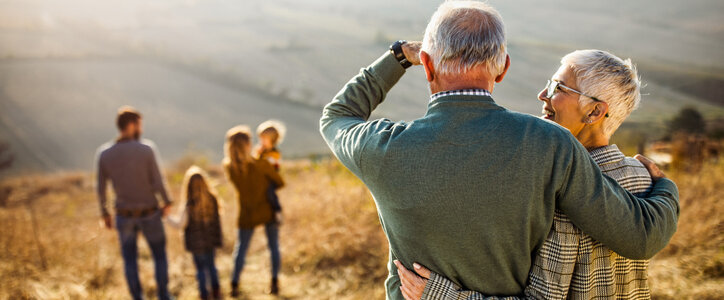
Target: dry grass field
{"type": "Point", "coordinates": [332, 244]}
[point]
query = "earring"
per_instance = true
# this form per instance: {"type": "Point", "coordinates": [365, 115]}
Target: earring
{"type": "Point", "coordinates": [589, 121]}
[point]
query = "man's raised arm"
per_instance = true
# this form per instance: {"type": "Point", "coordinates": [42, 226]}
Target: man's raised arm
{"type": "Point", "coordinates": [636, 228]}
{"type": "Point", "coordinates": [344, 123]}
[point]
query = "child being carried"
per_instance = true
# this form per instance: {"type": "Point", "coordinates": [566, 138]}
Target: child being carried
{"type": "Point", "coordinates": [271, 134]}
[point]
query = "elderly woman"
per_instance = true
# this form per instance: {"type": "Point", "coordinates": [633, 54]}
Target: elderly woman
{"type": "Point", "coordinates": [251, 178]}
{"type": "Point", "coordinates": [591, 94]}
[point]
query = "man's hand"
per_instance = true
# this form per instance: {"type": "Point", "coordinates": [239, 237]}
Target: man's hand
{"type": "Point", "coordinates": [107, 221]}
{"type": "Point", "coordinates": [166, 210]}
{"type": "Point", "coordinates": [651, 166]}
{"type": "Point", "coordinates": [412, 52]}
{"type": "Point", "coordinates": [411, 284]}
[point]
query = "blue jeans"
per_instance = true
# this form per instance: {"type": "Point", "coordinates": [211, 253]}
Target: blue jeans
{"type": "Point", "coordinates": [242, 245]}
{"type": "Point", "coordinates": [152, 229]}
{"type": "Point", "coordinates": [205, 265]}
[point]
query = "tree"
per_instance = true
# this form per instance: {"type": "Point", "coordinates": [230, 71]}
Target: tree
{"type": "Point", "coordinates": [689, 121]}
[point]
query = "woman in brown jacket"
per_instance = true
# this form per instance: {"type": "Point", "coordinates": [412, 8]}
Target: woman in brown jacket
{"type": "Point", "coordinates": [251, 178]}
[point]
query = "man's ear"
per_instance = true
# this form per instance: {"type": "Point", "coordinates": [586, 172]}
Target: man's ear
{"type": "Point", "coordinates": [600, 111]}
{"type": "Point", "coordinates": [428, 64]}
{"type": "Point", "coordinates": [499, 78]}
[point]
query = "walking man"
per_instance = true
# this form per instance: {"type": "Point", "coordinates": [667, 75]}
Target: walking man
{"type": "Point", "coordinates": [130, 164]}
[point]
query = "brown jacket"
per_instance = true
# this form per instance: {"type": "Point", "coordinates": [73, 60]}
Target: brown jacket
{"type": "Point", "coordinates": [251, 187]}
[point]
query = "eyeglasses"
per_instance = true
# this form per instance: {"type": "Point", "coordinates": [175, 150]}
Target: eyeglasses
{"type": "Point", "coordinates": [553, 85]}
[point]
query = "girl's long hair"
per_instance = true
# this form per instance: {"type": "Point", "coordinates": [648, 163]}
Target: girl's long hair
{"type": "Point", "coordinates": [237, 149]}
{"type": "Point", "coordinates": [205, 200]}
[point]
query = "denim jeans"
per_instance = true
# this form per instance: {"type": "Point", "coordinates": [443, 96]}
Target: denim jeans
{"type": "Point", "coordinates": [152, 229]}
{"type": "Point", "coordinates": [242, 245]}
{"type": "Point", "coordinates": [205, 265]}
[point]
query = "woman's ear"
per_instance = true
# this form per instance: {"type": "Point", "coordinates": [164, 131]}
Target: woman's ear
{"type": "Point", "coordinates": [600, 111]}
{"type": "Point", "coordinates": [428, 64]}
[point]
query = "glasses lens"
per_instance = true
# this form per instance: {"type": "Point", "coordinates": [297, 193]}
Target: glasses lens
{"type": "Point", "coordinates": [552, 86]}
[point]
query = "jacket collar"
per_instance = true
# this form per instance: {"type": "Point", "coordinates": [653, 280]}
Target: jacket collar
{"type": "Point", "coordinates": [607, 154]}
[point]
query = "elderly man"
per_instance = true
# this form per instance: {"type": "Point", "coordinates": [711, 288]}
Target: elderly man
{"type": "Point", "coordinates": [488, 180]}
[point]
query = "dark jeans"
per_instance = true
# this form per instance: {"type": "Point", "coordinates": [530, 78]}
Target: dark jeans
{"type": "Point", "coordinates": [271, 196]}
{"type": "Point", "coordinates": [242, 245]}
{"type": "Point", "coordinates": [152, 229]}
{"type": "Point", "coordinates": [205, 265]}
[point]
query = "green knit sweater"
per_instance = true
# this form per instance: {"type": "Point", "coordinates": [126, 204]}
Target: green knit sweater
{"type": "Point", "coordinates": [469, 190]}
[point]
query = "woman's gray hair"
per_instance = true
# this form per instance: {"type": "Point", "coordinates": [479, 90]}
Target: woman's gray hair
{"type": "Point", "coordinates": [465, 34]}
{"type": "Point", "coordinates": [608, 78]}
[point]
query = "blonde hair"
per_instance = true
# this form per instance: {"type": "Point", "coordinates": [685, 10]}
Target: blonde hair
{"type": "Point", "coordinates": [275, 128]}
{"type": "Point", "coordinates": [464, 34]}
{"type": "Point", "coordinates": [608, 78]}
{"type": "Point", "coordinates": [237, 147]}
{"type": "Point", "coordinates": [206, 205]}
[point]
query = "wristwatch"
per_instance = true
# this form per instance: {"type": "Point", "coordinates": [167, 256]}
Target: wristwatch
{"type": "Point", "coordinates": [396, 49]}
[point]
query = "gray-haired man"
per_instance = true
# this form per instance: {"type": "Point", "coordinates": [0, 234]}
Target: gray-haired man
{"type": "Point", "coordinates": [489, 179]}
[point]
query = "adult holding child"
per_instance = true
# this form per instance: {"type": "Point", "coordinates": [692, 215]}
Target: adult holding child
{"type": "Point", "coordinates": [251, 178]}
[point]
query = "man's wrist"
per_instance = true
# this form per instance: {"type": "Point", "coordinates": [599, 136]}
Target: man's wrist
{"type": "Point", "coordinates": [399, 53]}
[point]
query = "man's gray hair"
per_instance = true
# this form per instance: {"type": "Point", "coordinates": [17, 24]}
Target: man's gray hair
{"type": "Point", "coordinates": [608, 78]}
{"type": "Point", "coordinates": [464, 34]}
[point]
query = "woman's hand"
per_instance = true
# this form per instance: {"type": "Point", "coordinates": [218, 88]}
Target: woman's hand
{"type": "Point", "coordinates": [411, 284]}
{"type": "Point", "coordinates": [651, 166]}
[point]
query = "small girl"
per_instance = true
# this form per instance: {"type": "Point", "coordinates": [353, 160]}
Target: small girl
{"type": "Point", "coordinates": [271, 134]}
{"type": "Point", "coordinates": [199, 217]}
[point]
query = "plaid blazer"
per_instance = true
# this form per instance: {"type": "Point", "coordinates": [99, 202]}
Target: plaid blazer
{"type": "Point", "coordinates": [570, 264]}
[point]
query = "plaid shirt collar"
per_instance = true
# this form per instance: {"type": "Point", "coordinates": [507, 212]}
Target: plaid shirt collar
{"type": "Point", "coordinates": [607, 155]}
{"type": "Point", "coordinates": [463, 92]}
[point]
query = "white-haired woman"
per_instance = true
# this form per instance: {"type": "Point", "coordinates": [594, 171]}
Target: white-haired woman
{"type": "Point", "coordinates": [591, 94]}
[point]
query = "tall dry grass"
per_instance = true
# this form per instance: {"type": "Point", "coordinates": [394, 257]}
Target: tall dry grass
{"type": "Point", "coordinates": [692, 265]}
{"type": "Point", "coordinates": [53, 247]}
{"type": "Point", "coordinates": [332, 243]}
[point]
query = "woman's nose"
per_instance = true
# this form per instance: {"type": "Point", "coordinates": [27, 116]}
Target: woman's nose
{"type": "Point", "coordinates": [543, 95]}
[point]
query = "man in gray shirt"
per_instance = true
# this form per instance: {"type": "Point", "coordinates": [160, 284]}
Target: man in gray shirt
{"type": "Point", "coordinates": [130, 164]}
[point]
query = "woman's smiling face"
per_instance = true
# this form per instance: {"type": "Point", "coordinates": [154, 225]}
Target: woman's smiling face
{"type": "Point", "coordinates": [563, 107]}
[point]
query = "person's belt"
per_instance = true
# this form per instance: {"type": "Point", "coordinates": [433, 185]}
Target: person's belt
{"type": "Point", "coordinates": [136, 213]}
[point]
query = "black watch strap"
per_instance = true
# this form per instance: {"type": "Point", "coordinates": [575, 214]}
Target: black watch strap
{"type": "Point", "coordinates": [396, 49]}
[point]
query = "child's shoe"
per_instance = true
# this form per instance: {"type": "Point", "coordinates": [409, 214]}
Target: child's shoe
{"type": "Point", "coordinates": [216, 293]}
{"type": "Point", "coordinates": [235, 290]}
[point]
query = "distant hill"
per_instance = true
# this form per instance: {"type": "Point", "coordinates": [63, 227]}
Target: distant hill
{"type": "Point", "coordinates": [196, 68]}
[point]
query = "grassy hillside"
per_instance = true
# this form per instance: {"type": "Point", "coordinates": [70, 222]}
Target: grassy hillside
{"type": "Point", "coordinates": [332, 243]}
{"type": "Point", "coordinates": [196, 68]}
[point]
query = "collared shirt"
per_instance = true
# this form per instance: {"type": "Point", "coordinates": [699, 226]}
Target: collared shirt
{"type": "Point", "coordinates": [463, 92]}
{"type": "Point", "coordinates": [570, 264]}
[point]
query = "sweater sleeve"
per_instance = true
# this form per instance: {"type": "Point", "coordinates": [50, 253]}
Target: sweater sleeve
{"type": "Point", "coordinates": [101, 185]}
{"type": "Point", "coordinates": [635, 228]}
{"type": "Point", "coordinates": [344, 124]}
{"type": "Point", "coordinates": [273, 175]}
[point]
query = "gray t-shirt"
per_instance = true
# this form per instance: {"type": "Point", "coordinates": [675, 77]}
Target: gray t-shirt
{"type": "Point", "coordinates": [131, 167]}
